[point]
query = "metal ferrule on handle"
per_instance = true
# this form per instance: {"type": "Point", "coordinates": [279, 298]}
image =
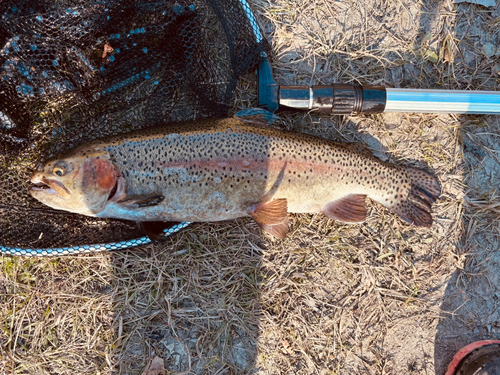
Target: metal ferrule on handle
{"type": "Point", "coordinates": [341, 99]}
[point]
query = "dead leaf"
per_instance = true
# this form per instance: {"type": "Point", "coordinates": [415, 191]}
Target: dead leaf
{"type": "Point", "coordinates": [431, 56]}
{"type": "Point", "coordinates": [156, 367]}
{"type": "Point", "coordinates": [447, 55]}
{"type": "Point", "coordinates": [427, 37]}
{"type": "Point", "coordinates": [107, 49]}
{"type": "Point", "coordinates": [446, 52]}
{"type": "Point", "coordinates": [286, 347]}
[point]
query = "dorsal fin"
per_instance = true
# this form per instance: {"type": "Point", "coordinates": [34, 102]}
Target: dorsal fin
{"type": "Point", "coordinates": [257, 116]}
{"type": "Point", "coordinates": [359, 147]}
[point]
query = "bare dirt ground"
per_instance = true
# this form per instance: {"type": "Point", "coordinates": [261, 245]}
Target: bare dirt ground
{"type": "Point", "coordinates": [377, 298]}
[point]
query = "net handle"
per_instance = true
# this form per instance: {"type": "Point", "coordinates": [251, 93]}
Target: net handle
{"type": "Point", "coordinates": [355, 99]}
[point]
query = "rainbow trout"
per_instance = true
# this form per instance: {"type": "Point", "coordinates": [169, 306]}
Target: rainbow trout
{"type": "Point", "coordinates": [222, 169]}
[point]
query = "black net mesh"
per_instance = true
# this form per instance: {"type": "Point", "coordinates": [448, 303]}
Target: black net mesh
{"type": "Point", "coordinates": [75, 70]}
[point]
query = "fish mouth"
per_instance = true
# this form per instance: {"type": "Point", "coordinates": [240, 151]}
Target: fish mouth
{"type": "Point", "coordinates": [49, 186]}
{"type": "Point", "coordinates": [42, 186]}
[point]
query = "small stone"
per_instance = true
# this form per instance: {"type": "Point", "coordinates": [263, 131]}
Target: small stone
{"type": "Point", "coordinates": [177, 359]}
{"type": "Point", "coordinates": [241, 356]}
{"type": "Point", "coordinates": [469, 57]}
{"type": "Point", "coordinates": [495, 70]}
{"type": "Point", "coordinates": [489, 49]}
{"type": "Point", "coordinates": [155, 367]}
{"type": "Point", "coordinates": [170, 347]}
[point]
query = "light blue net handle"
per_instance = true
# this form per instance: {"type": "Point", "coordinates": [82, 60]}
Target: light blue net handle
{"type": "Point", "coordinates": [88, 248]}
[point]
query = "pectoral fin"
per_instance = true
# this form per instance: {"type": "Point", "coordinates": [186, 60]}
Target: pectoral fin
{"type": "Point", "coordinates": [139, 201]}
{"type": "Point", "coordinates": [349, 209]}
{"type": "Point", "coordinates": [272, 217]}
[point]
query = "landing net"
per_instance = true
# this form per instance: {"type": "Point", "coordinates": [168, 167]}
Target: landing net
{"type": "Point", "coordinates": [72, 71]}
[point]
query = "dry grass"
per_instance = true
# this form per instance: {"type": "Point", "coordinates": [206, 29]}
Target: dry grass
{"type": "Point", "coordinates": [56, 315]}
{"type": "Point", "coordinates": [331, 298]}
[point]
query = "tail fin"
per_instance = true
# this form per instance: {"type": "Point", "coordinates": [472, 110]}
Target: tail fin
{"type": "Point", "coordinates": [424, 191]}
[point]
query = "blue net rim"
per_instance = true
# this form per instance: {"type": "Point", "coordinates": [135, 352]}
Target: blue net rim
{"type": "Point", "coordinates": [72, 250]}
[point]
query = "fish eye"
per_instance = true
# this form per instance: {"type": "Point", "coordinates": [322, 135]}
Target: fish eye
{"type": "Point", "coordinates": [60, 168]}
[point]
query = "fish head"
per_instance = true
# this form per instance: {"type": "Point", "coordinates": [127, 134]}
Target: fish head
{"type": "Point", "coordinates": [79, 182]}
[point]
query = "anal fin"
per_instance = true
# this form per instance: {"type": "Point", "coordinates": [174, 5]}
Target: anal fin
{"type": "Point", "coordinates": [138, 201]}
{"type": "Point", "coordinates": [272, 217]}
{"type": "Point", "coordinates": [349, 209]}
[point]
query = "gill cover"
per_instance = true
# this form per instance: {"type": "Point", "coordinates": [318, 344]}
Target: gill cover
{"type": "Point", "coordinates": [81, 183]}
